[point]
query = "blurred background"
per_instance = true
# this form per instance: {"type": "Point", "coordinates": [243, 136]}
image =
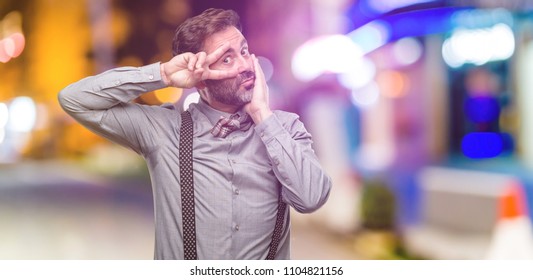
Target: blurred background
{"type": "Point", "coordinates": [421, 112]}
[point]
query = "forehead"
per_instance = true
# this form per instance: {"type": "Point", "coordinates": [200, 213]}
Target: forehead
{"type": "Point", "coordinates": [230, 34]}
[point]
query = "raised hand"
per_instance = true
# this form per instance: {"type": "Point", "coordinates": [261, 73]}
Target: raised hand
{"type": "Point", "coordinates": [187, 69]}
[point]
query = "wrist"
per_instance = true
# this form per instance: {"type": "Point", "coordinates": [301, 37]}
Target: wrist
{"type": "Point", "coordinates": [260, 115]}
{"type": "Point", "coordinates": [164, 77]}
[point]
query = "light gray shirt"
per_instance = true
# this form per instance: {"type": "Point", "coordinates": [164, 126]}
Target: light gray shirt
{"type": "Point", "coordinates": [237, 178]}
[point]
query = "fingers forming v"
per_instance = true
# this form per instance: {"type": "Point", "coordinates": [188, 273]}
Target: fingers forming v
{"type": "Point", "coordinates": [218, 74]}
{"type": "Point", "coordinates": [201, 57]}
{"type": "Point", "coordinates": [217, 54]}
{"type": "Point", "coordinates": [192, 62]}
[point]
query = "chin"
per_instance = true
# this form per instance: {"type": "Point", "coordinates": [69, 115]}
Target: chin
{"type": "Point", "coordinates": [247, 97]}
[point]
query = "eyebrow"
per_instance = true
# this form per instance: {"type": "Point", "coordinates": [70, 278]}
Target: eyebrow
{"type": "Point", "coordinates": [231, 50]}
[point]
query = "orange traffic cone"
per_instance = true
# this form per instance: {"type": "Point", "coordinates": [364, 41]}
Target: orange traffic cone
{"type": "Point", "coordinates": [512, 237]}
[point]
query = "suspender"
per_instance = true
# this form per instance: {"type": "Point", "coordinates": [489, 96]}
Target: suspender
{"type": "Point", "coordinates": [187, 188]}
{"type": "Point", "coordinates": [276, 235]}
{"type": "Point", "coordinates": [187, 196]}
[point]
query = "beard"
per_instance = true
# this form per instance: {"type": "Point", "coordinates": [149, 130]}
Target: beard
{"type": "Point", "coordinates": [228, 91]}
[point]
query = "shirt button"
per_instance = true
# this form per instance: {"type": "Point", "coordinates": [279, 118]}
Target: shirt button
{"type": "Point", "coordinates": [237, 191]}
{"type": "Point", "coordinates": [276, 161]}
{"type": "Point", "coordinates": [262, 134]}
{"type": "Point", "coordinates": [237, 227]}
{"type": "Point", "coordinates": [233, 161]}
{"type": "Point", "coordinates": [117, 83]}
{"type": "Point", "coordinates": [151, 77]}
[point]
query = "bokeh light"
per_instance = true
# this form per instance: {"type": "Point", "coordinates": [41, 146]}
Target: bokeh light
{"type": "Point", "coordinates": [22, 114]}
{"type": "Point", "coordinates": [481, 145]}
{"type": "Point", "coordinates": [407, 51]}
{"type": "Point", "coordinates": [392, 84]}
{"type": "Point", "coordinates": [12, 40]}
{"type": "Point", "coordinates": [4, 57]}
{"type": "Point", "coordinates": [326, 54]}
{"type": "Point", "coordinates": [371, 35]}
{"type": "Point", "coordinates": [267, 67]}
{"type": "Point", "coordinates": [383, 6]}
{"type": "Point", "coordinates": [19, 42]}
{"type": "Point", "coordinates": [4, 116]}
{"type": "Point", "coordinates": [366, 96]}
{"type": "Point", "coordinates": [168, 95]}
{"type": "Point", "coordinates": [478, 46]}
{"type": "Point", "coordinates": [361, 72]}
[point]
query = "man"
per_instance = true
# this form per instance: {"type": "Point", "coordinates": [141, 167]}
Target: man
{"type": "Point", "coordinates": [238, 177]}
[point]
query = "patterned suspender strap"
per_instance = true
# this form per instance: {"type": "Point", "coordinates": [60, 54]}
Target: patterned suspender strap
{"type": "Point", "coordinates": [187, 196]}
{"type": "Point", "coordinates": [276, 235]}
{"type": "Point", "coordinates": [187, 187]}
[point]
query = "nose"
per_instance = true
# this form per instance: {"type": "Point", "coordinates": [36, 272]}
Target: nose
{"type": "Point", "coordinates": [244, 64]}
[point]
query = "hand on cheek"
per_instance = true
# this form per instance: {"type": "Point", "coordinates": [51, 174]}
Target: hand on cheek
{"type": "Point", "coordinates": [258, 108]}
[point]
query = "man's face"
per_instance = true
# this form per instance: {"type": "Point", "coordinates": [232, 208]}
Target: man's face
{"type": "Point", "coordinates": [233, 91]}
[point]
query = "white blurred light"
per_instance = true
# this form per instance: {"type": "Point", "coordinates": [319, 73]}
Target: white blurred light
{"type": "Point", "coordinates": [333, 54]}
{"type": "Point", "coordinates": [191, 98]}
{"type": "Point", "coordinates": [375, 156]}
{"type": "Point", "coordinates": [22, 114]}
{"type": "Point", "coordinates": [366, 96]}
{"type": "Point", "coordinates": [407, 51]}
{"type": "Point", "coordinates": [479, 46]}
{"type": "Point", "coordinates": [267, 67]}
{"type": "Point", "coordinates": [303, 65]}
{"type": "Point", "coordinates": [449, 57]}
{"type": "Point", "coordinates": [371, 36]}
{"type": "Point", "coordinates": [339, 53]}
{"type": "Point", "coordinates": [361, 73]}
{"type": "Point", "coordinates": [4, 115]}
{"type": "Point", "coordinates": [504, 37]}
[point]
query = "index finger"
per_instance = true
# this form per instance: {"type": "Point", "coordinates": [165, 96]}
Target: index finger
{"type": "Point", "coordinates": [220, 74]}
{"type": "Point", "coordinates": [217, 54]}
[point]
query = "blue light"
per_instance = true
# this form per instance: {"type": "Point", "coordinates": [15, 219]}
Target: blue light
{"type": "Point", "coordinates": [384, 6]}
{"type": "Point", "coordinates": [482, 109]}
{"type": "Point", "coordinates": [482, 145]}
{"type": "Point", "coordinates": [385, 28]}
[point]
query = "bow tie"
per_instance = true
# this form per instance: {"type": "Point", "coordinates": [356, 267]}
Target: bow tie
{"type": "Point", "coordinates": [226, 125]}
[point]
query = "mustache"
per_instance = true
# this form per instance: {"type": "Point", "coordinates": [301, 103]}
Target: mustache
{"type": "Point", "coordinates": [245, 76]}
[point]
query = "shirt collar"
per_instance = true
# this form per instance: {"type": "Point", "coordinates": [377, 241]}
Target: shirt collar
{"type": "Point", "coordinates": [213, 115]}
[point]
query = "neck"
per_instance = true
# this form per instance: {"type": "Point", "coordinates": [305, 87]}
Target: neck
{"type": "Point", "coordinates": [231, 109]}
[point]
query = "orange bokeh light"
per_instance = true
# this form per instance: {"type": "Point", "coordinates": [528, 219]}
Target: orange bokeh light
{"type": "Point", "coordinates": [11, 46]}
{"type": "Point", "coordinates": [4, 57]}
{"type": "Point", "coordinates": [19, 42]}
{"type": "Point", "coordinates": [392, 84]}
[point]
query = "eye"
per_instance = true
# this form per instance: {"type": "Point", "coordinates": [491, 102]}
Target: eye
{"type": "Point", "coordinates": [227, 60]}
{"type": "Point", "coordinates": [245, 52]}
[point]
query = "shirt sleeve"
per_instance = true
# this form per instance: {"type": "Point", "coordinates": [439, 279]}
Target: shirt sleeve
{"type": "Point", "coordinates": [102, 104]}
{"type": "Point", "coordinates": [305, 185]}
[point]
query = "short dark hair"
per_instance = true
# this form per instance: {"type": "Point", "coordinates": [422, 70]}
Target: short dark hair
{"type": "Point", "coordinates": [191, 34]}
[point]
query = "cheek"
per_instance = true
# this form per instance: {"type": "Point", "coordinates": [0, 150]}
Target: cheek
{"type": "Point", "coordinates": [222, 85]}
